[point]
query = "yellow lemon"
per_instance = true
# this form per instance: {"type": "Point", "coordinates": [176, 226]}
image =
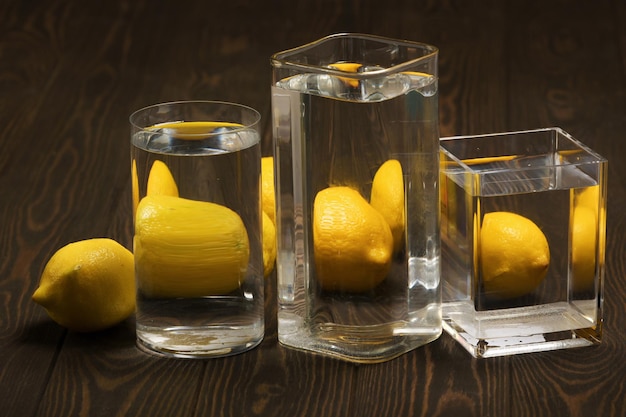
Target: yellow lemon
{"type": "Point", "coordinates": [135, 186]}
{"type": "Point", "coordinates": [161, 181]}
{"type": "Point", "coordinates": [388, 198]}
{"type": "Point", "coordinates": [353, 244]}
{"type": "Point", "coordinates": [514, 255]}
{"type": "Point", "coordinates": [88, 285]}
{"type": "Point", "coordinates": [589, 198]}
{"type": "Point", "coordinates": [268, 199]}
{"type": "Point", "coordinates": [188, 248]}
{"type": "Point", "coordinates": [198, 130]}
{"type": "Point", "coordinates": [348, 67]}
{"type": "Point", "coordinates": [584, 240]}
{"type": "Point", "coordinates": [269, 245]}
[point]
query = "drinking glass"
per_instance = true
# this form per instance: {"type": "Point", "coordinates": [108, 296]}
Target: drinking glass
{"type": "Point", "coordinates": [197, 228]}
{"type": "Point", "coordinates": [523, 236]}
{"type": "Point", "coordinates": [355, 125]}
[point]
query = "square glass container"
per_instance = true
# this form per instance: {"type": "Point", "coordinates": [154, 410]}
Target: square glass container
{"type": "Point", "coordinates": [523, 226]}
{"type": "Point", "coordinates": [356, 156]}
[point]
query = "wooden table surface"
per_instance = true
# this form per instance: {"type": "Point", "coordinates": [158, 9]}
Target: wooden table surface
{"type": "Point", "coordinates": [71, 72]}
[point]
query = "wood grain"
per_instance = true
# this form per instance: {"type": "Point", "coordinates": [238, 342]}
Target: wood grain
{"type": "Point", "coordinates": [70, 74]}
{"type": "Point", "coordinates": [555, 80]}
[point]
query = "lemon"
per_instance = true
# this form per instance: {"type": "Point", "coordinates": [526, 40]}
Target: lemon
{"type": "Point", "coordinates": [388, 198]}
{"type": "Point", "coordinates": [198, 130]}
{"type": "Point", "coordinates": [352, 241]}
{"type": "Point", "coordinates": [269, 245]}
{"type": "Point", "coordinates": [135, 186]}
{"type": "Point", "coordinates": [88, 285]}
{"type": "Point", "coordinates": [589, 198]}
{"type": "Point", "coordinates": [584, 240]}
{"type": "Point", "coordinates": [268, 204]}
{"type": "Point", "coordinates": [161, 181]}
{"type": "Point", "coordinates": [514, 255]}
{"type": "Point", "coordinates": [188, 248]}
{"type": "Point", "coordinates": [268, 199]}
{"type": "Point", "coordinates": [348, 67]}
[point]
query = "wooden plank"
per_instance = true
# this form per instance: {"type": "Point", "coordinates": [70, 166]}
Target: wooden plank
{"type": "Point", "coordinates": [276, 381]}
{"type": "Point", "coordinates": [39, 166]}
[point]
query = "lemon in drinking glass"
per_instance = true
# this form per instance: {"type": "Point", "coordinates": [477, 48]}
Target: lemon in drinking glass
{"type": "Point", "coordinates": [514, 255]}
{"type": "Point", "coordinates": [387, 197]}
{"type": "Point", "coordinates": [353, 244]}
{"type": "Point", "coordinates": [268, 198]}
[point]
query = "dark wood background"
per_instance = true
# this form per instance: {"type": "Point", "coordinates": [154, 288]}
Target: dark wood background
{"type": "Point", "coordinates": [72, 71]}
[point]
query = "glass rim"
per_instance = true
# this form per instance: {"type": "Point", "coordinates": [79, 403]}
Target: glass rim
{"type": "Point", "coordinates": [279, 59]}
{"type": "Point", "coordinates": [244, 126]}
{"type": "Point", "coordinates": [597, 158]}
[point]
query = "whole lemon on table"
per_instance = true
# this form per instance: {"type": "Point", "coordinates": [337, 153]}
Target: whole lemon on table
{"type": "Point", "coordinates": [353, 244]}
{"type": "Point", "coordinates": [188, 248]}
{"type": "Point", "coordinates": [388, 198]}
{"type": "Point", "coordinates": [514, 255]}
{"type": "Point", "coordinates": [268, 199]}
{"type": "Point", "coordinates": [88, 285]}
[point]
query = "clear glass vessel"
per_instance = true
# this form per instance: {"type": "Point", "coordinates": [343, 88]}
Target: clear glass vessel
{"type": "Point", "coordinates": [523, 239]}
{"type": "Point", "coordinates": [197, 241]}
{"type": "Point", "coordinates": [356, 141]}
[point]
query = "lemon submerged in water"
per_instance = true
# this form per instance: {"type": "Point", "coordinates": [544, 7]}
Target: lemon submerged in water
{"type": "Point", "coordinates": [388, 198]}
{"type": "Point", "coordinates": [353, 244]}
{"type": "Point", "coordinates": [192, 248]}
{"type": "Point", "coordinates": [514, 255]}
{"type": "Point", "coordinates": [269, 244]}
{"type": "Point", "coordinates": [188, 248]}
{"type": "Point", "coordinates": [194, 130]}
{"type": "Point", "coordinates": [355, 239]}
{"type": "Point", "coordinates": [585, 239]}
{"type": "Point", "coordinates": [161, 181]}
{"type": "Point", "coordinates": [268, 198]}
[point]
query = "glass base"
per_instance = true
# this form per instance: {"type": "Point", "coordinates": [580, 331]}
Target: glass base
{"type": "Point", "coordinates": [359, 344]}
{"type": "Point", "coordinates": [197, 343]}
{"type": "Point", "coordinates": [519, 330]}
